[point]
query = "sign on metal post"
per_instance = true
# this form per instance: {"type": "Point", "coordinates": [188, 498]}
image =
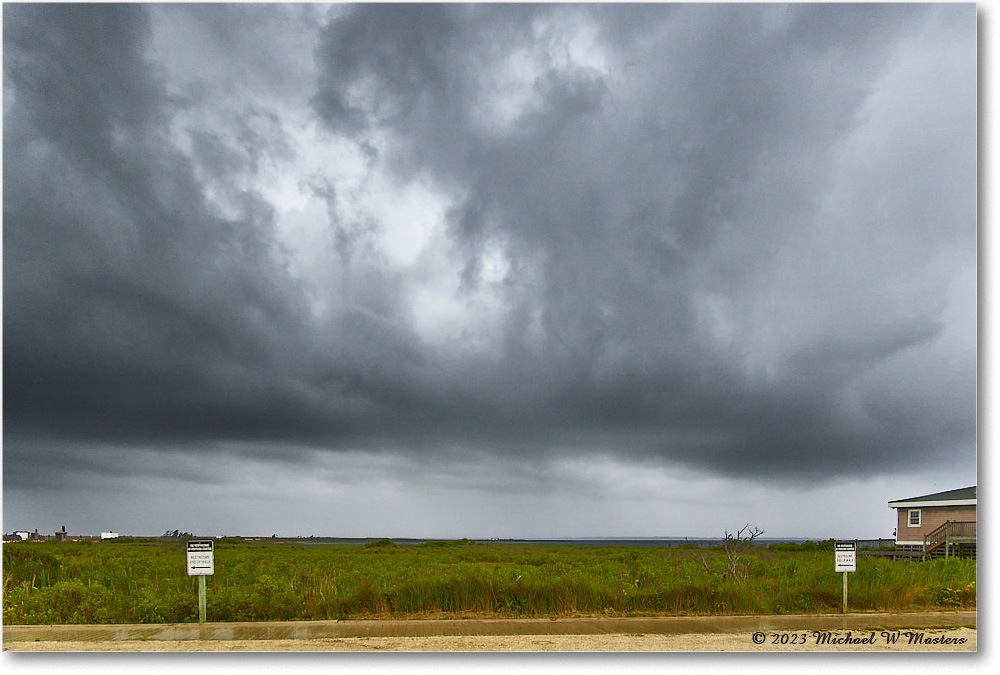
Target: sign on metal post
{"type": "Point", "coordinates": [845, 560]}
{"type": "Point", "coordinates": [201, 563]}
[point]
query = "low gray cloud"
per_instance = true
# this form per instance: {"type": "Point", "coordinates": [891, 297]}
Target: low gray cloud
{"type": "Point", "coordinates": [736, 239]}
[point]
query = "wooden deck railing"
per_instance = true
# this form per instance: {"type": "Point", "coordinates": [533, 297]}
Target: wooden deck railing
{"type": "Point", "coordinates": [949, 530]}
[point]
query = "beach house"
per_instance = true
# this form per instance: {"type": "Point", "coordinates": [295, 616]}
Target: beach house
{"type": "Point", "coordinates": [942, 524]}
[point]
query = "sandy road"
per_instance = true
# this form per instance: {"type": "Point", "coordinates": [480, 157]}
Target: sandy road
{"type": "Point", "coordinates": [958, 640]}
{"type": "Point", "coordinates": [916, 632]}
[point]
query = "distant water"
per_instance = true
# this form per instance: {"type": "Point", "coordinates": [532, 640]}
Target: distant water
{"type": "Point", "coordinates": [661, 542]}
{"type": "Point", "coordinates": [647, 541]}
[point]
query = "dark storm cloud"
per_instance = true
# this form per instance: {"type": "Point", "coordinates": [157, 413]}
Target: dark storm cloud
{"type": "Point", "coordinates": [129, 308]}
{"type": "Point", "coordinates": [661, 188]}
{"type": "Point", "coordinates": [722, 140]}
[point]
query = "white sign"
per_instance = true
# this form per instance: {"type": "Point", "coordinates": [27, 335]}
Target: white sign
{"type": "Point", "coordinates": [846, 557]}
{"type": "Point", "coordinates": [200, 557]}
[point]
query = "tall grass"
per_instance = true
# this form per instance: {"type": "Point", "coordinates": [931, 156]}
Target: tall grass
{"type": "Point", "coordinates": [147, 583]}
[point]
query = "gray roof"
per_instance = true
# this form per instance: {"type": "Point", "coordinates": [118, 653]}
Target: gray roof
{"type": "Point", "coordinates": [965, 493]}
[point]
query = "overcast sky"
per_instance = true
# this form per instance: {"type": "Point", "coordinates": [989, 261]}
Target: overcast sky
{"type": "Point", "coordinates": [468, 270]}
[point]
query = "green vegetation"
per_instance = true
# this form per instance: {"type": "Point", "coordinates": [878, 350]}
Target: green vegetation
{"type": "Point", "coordinates": [132, 582]}
{"type": "Point", "coordinates": [827, 545]}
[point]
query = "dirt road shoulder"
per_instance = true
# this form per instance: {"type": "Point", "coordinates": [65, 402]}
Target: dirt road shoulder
{"type": "Point", "coordinates": [925, 631]}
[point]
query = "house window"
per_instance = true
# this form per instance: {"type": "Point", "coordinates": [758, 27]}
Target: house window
{"type": "Point", "coordinates": [914, 518]}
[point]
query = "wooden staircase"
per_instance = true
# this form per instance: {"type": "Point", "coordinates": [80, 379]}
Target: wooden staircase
{"type": "Point", "coordinates": [954, 539]}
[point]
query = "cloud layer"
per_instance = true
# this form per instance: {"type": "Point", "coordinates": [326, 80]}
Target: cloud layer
{"type": "Point", "coordinates": [735, 240]}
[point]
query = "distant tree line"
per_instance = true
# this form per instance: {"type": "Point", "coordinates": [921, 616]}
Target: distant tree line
{"type": "Point", "coordinates": [177, 533]}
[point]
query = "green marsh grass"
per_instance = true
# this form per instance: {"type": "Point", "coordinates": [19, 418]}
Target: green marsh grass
{"type": "Point", "coordinates": [133, 582]}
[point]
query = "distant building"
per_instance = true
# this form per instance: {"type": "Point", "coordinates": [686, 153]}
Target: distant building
{"type": "Point", "coordinates": [109, 535]}
{"type": "Point", "coordinates": [942, 524]}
